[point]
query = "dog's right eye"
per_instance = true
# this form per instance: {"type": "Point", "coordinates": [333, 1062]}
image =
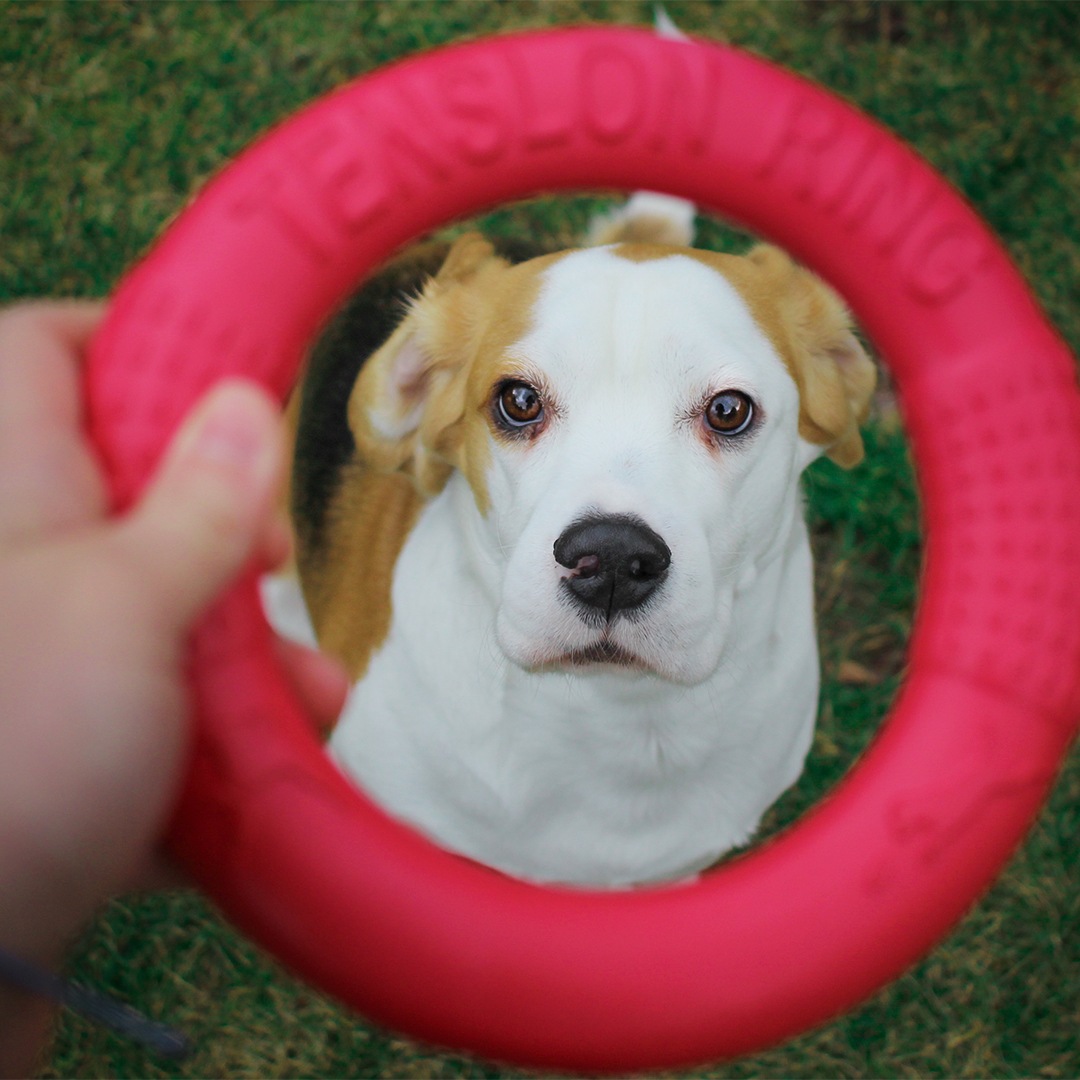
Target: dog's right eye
{"type": "Point", "coordinates": [730, 413]}
{"type": "Point", "coordinates": [518, 405]}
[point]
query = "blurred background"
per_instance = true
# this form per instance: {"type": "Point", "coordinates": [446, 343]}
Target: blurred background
{"type": "Point", "coordinates": [111, 117]}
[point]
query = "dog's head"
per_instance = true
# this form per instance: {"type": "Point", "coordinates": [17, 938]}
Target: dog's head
{"type": "Point", "coordinates": [630, 423]}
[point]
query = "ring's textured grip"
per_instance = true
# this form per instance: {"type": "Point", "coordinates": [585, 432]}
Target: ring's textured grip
{"type": "Point", "coordinates": [788, 936]}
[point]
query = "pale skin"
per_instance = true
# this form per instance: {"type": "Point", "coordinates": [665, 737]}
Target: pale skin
{"type": "Point", "coordinates": [95, 615]}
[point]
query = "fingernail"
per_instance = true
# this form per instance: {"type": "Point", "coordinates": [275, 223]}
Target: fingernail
{"type": "Point", "coordinates": [233, 431]}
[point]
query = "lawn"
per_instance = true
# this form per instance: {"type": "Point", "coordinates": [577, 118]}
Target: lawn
{"type": "Point", "coordinates": [111, 115]}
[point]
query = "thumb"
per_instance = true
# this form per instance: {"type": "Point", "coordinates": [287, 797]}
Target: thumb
{"type": "Point", "coordinates": [211, 504]}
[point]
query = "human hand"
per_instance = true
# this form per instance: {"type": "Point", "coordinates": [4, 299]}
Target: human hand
{"type": "Point", "coordinates": [94, 619]}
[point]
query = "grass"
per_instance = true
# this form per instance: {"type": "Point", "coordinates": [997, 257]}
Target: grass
{"type": "Point", "coordinates": [111, 115]}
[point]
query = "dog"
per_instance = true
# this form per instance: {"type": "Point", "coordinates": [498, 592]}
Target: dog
{"type": "Point", "coordinates": [549, 517]}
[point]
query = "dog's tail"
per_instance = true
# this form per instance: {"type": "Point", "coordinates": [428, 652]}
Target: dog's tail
{"type": "Point", "coordinates": [646, 218]}
{"type": "Point", "coordinates": [665, 26]}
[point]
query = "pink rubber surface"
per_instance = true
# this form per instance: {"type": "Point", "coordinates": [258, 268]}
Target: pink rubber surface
{"type": "Point", "coordinates": [790, 935]}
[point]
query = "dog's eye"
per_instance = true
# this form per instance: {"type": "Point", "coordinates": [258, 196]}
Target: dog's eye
{"type": "Point", "coordinates": [519, 405]}
{"type": "Point", "coordinates": [729, 413]}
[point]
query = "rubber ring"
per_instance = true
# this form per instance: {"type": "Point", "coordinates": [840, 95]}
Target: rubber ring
{"type": "Point", "coordinates": [790, 935]}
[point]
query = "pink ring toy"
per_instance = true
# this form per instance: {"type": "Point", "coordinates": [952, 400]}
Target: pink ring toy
{"type": "Point", "coordinates": [790, 935]}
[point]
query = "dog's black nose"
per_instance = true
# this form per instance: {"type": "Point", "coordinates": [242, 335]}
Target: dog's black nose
{"type": "Point", "coordinates": [617, 561]}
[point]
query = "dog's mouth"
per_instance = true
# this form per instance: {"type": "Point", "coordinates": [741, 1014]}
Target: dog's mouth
{"type": "Point", "coordinates": [603, 652]}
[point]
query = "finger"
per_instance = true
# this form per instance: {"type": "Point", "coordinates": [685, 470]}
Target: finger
{"type": "Point", "coordinates": [276, 547]}
{"type": "Point", "coordinates": [212, 504]}
{"type": "Point", "coordinates": [319, 680]}
{"type": "Point", "coordinates": [48, 476]}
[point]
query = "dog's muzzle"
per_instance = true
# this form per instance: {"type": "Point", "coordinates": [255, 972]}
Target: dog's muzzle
{"type": "Point", "coordinates": [615, 561]}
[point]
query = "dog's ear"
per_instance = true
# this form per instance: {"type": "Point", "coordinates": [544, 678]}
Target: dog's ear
{"type": "Point", "coordinates": [836, 378]}
{"type": "Point", "coordinates": [409, 398]}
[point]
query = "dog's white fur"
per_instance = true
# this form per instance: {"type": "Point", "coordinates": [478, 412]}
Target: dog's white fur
{"type": "Point", "coordinates": [476, 720]}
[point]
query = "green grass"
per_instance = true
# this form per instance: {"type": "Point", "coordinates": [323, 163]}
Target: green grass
{"type": "Point", "coordinates": [111, 115]}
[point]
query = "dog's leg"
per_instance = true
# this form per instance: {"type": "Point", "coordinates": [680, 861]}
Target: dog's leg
{"type": "Point", "coordinates": [280, 592]}
{"type": "Point", "coordinates": [284, 607]}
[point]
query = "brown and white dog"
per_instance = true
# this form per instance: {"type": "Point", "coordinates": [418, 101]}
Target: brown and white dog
{"type": "Point", "coordinates": [560, 547]}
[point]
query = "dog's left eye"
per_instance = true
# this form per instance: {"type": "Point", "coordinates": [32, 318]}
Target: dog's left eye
{"type": "Point", "coordinates": [729, 413]}
{"type": "Point", "coordinates": [518, 405]}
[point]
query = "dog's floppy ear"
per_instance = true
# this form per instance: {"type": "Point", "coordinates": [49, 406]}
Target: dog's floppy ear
{"type": "Point", "coordinates": [410, 395]}
{"type": "Point", "coordinates": [836, 378]}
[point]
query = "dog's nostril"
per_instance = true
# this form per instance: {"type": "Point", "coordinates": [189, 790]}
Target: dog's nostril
{"type": "Point", "coordinates": [587, 566]}
{"type": "Point", "coordinates": [616, 561]}
{"type": "Point", "coordinates": [648, 566]}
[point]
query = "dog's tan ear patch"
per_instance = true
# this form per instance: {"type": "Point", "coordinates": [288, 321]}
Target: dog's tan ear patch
{"type": "Point", "coordinates": [836, 378]}
{"type": "Point", "coordinates": [406, 406]}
